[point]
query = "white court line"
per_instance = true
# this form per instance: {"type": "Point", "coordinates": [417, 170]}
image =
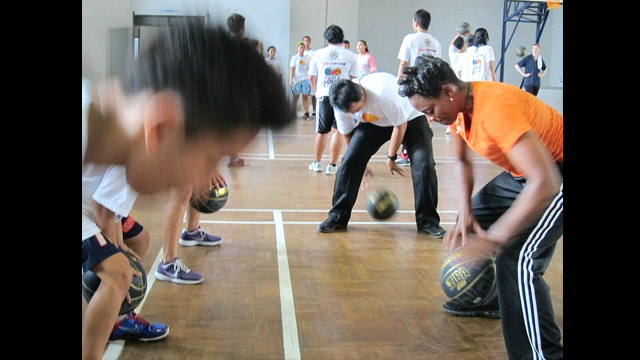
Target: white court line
{"type": "Point", "coordinates": [289, 322]}
{"type": "Point", "coordinates": [114, 349]}
{"type": "Point", "coordinates": [287, 307]}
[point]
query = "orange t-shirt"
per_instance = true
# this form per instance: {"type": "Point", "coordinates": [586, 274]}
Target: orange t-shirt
{"type": "Point", "coordinates": [502, 113]}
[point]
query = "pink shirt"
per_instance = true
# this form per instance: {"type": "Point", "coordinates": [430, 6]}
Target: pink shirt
{"type": "Point", "coordinates": [365, 64]}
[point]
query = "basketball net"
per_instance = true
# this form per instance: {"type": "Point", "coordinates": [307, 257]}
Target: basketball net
{"type": "Point", "coordinates": [553, 4]}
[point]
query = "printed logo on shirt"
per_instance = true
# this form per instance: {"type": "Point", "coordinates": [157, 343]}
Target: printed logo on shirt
{"type": "Point", "coordinates": [368, 117]}
{"type": "Point", "coordinates": [427, 42]}
{"type": "Point", "coordinates": [334, 54]}
{"type": "Point", "coordinates": [332, 71]}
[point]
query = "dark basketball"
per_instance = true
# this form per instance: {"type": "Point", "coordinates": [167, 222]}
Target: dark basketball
{"type": "Point", "coordinates": [382, 204]}
{"type": "Point", "coordinates": [137, 290]}
{"type": "Point", "coordinates": [469, 278]}
{"type": "Point", "coordinates": [210, 200]}
{"type": "Point", "coordinates": [521, 51]}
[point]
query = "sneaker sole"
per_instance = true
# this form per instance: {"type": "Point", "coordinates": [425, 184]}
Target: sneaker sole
{"type": "Point", "coordinates": [197, 242]}
{"type": "Point", "coordinates": [163, 277]}
{"type": "Point", "coordinates": [157, 337]}
{"type": "Point", "coordinates": [133, 337]}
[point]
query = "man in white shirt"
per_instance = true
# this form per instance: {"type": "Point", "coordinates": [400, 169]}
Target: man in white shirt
{"type": "Point", "coordinates": [418, 43]}
{"type": "Point", "coordinates": [369, 112]}
{"type": "Point", "coordinates": [308, 51]}
{"type": "Point", "coordinates": [413, 45]}
{"type": "Point", "coordinates": [329, 64]}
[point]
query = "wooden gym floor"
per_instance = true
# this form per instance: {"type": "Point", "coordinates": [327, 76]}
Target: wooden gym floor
{"type": "Point", "coordinates": [278, 289]}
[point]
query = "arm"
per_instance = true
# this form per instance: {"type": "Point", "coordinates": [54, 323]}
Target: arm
{"type": "Point", "coordinates": [291, 71]}
{"type": "Point", "coordinates": [519, 69]}
{"type": "Point", "coordinates": [402, 65]}
{"type": "Point", "coordinates": [394, 145]}
{"type": "Point", "coordinates": [372, 64]}
{"type": "Point", "coordinates": [529, 156]}
{"type": "Point", "coordinates": [313, 81]}
{"type": "Point", "coordinates": [492, 71]}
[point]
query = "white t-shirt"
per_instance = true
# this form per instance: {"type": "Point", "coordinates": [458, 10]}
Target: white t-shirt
{"type": "Point", "coordinates": [330, 64]}
{"type": "Point", "coordinates": [416, 44]}
{"type": "Point", "coordinates": [274, 64]}
{"type": "Point", "coordinates": [309, 52]}
{"type": "Point", "coordinates": [383, 105]}
{"type": "Point", "coordinates": [301, 67]}
{"type": "Point", "coordinates": [454, 57]}
{"type": "Point", "coordinates": [475, 63]}
{"type": "Point", "coordinates": [106, 184]}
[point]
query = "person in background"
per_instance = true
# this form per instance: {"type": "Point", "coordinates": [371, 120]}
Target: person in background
{"type": "Point", "coordinates": [413, 45]}
{"type": "Point", "coordinates": [273, 62]}
{"type": "Point", "coordinates": [534, 70]}
{"type": "Point", "coordinates": [328, 65]}
{"type": "Point", "coordinates": [366, 62]}
{"type": "Point", "coordinates": [299, 80]}
{"type": "Point", "coordinates": [309, 51]}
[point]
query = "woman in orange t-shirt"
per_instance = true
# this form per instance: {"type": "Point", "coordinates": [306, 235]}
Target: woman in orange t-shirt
{"type": "Point", "coordinates": [518, 215]}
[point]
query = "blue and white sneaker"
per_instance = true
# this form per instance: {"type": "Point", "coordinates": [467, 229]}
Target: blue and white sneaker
{"type": "Point", "coordinates": [176, 271]}
{"type": "Point", "coordinates": [198, 237]}
{"type": "Point", "coordinates": [133, 326]}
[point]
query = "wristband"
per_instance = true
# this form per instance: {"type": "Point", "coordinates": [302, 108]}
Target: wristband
{"type": "Point", "coordinates": [394, 157]}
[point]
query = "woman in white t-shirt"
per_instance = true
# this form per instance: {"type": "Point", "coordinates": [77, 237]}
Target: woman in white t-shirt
{"type": "Point", "coordinates": [366, 64]}
{"type": "Point", "coordinates": [478, 61]}
{"type": "Point", "coordinates": [272, 61]}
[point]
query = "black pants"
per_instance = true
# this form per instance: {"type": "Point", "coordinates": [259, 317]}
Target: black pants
{"type": "Point", "coordinates": [532, 89]}
{"type": "Point", "coordinates": [365, 142]}
{"type": "Point", "coordinates": [526, 310]}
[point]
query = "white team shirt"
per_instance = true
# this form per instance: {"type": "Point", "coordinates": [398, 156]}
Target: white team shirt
{"type": "Point", "coordinates": [330, 64]}
{"type": "Point", "coordinates": [301, 67]}
{"type": "Point", "coordinates": [274, 64]}
{"type": "Point", "coordinates": [416, 44]}
{"type": "Point", "coordinates": [474, 63]}
{"type": "Point", "coordinates": [383, 105]}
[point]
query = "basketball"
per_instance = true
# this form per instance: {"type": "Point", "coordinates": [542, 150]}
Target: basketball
{"type": "Point", "coordinates": [137, 289]}
{"type": "Point", "coordinates": [382, 204]}
{"type": "Point", "coordinates": [210, 200]}
{"type": "Point", "coordinates": [463, 28]}
{"type": "Point", "coordinates": [469, 278]}
{"type": "Point", "coordinates": [521, 51]}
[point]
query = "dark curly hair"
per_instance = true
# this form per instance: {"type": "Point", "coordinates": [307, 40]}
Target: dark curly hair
{"type": "Point", "coordinates": [427, 77]}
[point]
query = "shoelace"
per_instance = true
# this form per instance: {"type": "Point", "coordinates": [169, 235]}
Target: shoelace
{"type": "Point", "coordinates": [136, 318]}
{"type": "Point", "coordinates": [179, 265]}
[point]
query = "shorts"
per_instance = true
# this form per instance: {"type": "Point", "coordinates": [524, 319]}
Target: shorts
{"type": "Point", "coordinates": [326, 118]}
{"type": "Point", "coordinates": [95, 250]}
{"type": "Point", "coordinates": [130, 227]}
{"type": "Point", "coordinates": [301, 87]}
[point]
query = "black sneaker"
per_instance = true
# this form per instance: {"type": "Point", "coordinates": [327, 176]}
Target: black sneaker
{"type": "Point", "coordinates": [435, 231]}
{"type": "Point", "coordinates": [491, 310]}
{"type": "Point", "coordinates": [329, 226]}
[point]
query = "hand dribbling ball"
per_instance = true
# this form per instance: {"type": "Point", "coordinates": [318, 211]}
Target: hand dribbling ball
{"type": "Point", "coordinates": [468, 277]}
{"type": "Point", "coordinates": [137, 289]}
{"type": "Point", "coordinates": [211, 200]}
{"type": "Point", "coordinates": [521, 51]}
{"type": "Point", "coordinates": [382, 204]}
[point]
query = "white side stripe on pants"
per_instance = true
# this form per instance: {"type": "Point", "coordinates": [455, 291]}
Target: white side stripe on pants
{"type": "Point", "coordinates": [525, 273]}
